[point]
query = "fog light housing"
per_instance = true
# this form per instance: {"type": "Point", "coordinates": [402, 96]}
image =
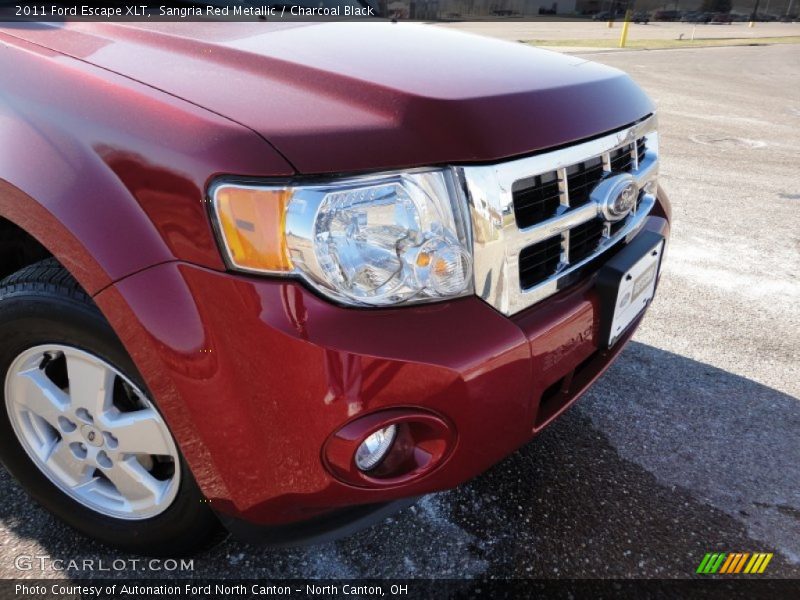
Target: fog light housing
{"type": "Point", "coordinates": [388, 448]}
{"type": "Point", "coordinates": [375, 448]}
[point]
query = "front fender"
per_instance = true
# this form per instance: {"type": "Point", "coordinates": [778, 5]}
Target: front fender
{"type": "Point", "coordinates": [109, 174]}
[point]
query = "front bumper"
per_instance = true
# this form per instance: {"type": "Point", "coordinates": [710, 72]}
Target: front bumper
{"type": "Point", "coordinates": [253, 375]}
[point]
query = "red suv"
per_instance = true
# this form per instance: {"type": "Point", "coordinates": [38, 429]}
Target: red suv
{"type": "Point", "coordinates": [288, 277]}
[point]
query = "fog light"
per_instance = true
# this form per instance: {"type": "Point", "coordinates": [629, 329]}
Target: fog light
{"type": "Point", "coordinates": [373, 449]}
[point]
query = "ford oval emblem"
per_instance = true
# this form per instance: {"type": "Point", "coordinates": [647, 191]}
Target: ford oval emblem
{"type": "Point", "coordinates": [625, 200]}
{"type": "Point", "coordinates": [615, 196]}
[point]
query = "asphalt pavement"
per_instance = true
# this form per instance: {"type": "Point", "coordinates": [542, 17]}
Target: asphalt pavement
{"type": "Point", "coordinates": [689, 444]}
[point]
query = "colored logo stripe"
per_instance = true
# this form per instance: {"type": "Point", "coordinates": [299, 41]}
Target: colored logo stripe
{"type": "Point", "coordinates": [758, 563]}
{"type": "Point", "coordinates": [734, 562]}
{"type": "Point", "coordinates": [732, 559]}
{"type": "Point", "coordinates": [711, 563]}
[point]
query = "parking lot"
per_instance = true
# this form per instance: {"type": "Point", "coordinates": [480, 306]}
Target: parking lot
{"type": "Point", "coordinates": [515, 31]}
{"type": "Point", "coordinates": [688, 445]}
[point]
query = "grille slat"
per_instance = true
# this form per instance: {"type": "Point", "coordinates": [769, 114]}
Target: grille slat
{"type": "Point", "coordinates": [583, 239]}
{"type": "Point", "coordinates": [615, 228]}
{"type": "Point", "coordinates": [536, 199]}
{"type": "Point", "coordinates": [582, 178]}
{"type": "Point", "coordinates": [540, 261]}
{"type": "Point", "coordinates": [640, 149]}
{"type": "Point", "coordinates": [621, 159]}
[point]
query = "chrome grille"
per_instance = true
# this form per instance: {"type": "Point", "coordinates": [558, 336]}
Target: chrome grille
{"type": "Point", "coordinates": [535, 222]}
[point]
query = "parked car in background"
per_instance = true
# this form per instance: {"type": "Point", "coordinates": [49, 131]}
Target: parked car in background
{"type": "Point", "coordinates": [641, 17]}
{"type": "Point", "coordinates": [721, 19]}
{"type": "Point", "coordinates": [667, 15]}
{"type": "Point", "coordinates": [603, 16]}
{"type": "Point", "coordinates": [295, 293]}
{"type": "Point", "coordinates": [696, 17]}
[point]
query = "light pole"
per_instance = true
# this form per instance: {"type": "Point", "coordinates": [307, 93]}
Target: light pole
{"type": "Point", "coordinates": [754, 16]}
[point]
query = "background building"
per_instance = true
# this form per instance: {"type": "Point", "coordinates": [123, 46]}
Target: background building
{"type": "Point", "coordinates": [480, 9]}
{"type": "Point", "coordinates": [459, 9]}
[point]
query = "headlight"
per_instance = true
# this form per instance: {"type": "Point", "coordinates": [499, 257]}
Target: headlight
{"type": "Point", "coordinates": [377, 240]}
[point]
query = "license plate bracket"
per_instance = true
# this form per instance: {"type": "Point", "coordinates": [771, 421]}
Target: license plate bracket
{"type": "Point", "coordinates": [626, 284]}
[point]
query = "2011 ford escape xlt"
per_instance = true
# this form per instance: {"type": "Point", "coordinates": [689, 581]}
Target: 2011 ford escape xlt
{"type": "Point", "coordinates": [285, 277]}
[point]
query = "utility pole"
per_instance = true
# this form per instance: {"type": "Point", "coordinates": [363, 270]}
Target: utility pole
{"type": "Point", "coordinates": [754, 16]}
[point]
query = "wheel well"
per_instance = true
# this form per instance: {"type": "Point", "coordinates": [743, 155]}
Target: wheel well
{"type": "Point", "coordinates": [18, 249]}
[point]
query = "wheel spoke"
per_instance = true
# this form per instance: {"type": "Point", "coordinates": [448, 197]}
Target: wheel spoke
{"type": "Point", "coordinates": [39, 395]}
{"type": "Point", "coordinates": [90, 486]}
{"type": "Point", "coordinates": [140, 432]}
{"type": "Point", "coordinates": [91, 384]}
{"type": "Point", "coordinates": [133, 482]}
{"type": "Point", "coordinates": [63, 461]}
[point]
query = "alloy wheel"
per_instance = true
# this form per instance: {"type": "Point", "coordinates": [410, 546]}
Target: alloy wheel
{"type": "Point", "coordinates": [92, 432]}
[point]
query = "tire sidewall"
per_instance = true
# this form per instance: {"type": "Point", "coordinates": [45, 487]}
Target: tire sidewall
{"type": "Point", "coordinates": [38, 318]}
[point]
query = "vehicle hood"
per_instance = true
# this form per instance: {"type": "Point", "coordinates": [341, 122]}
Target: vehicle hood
{"type": "Point", "coordinates": [343, 97]}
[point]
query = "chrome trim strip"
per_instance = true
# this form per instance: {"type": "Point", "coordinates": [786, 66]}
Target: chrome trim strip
{"type": "Point", "coordinates": [551, 286]}
{"type": "Point", "coordinates": [522, 238]}
{"type": "Point", "coordinates": [497, 240]}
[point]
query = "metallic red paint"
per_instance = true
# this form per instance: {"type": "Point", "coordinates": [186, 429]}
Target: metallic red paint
{"type": "Point", "coordinates": [147, 114]}
{"type": "Point", "coordinates": [254, 375]}
{"type": "Point", "coordinates": [107, 173]}
{"type": "Point", "coordinates": [111, 134]}
{"type": "Point", "coordinates": [335, 97]}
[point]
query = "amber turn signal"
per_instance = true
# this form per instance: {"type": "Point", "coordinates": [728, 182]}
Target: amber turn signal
{"type": "Point", "coordinates": [253, 223]}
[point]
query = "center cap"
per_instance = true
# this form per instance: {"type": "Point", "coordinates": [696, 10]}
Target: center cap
{"type": "Point", "coordinates": [91, 435]}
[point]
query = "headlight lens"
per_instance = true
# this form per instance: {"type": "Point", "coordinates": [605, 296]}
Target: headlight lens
{"type": "Point", "coordinates": [378, 240]}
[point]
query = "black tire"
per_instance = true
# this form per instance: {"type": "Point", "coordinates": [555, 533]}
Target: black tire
{"type": "Point", "coordinates": [43, 304]}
